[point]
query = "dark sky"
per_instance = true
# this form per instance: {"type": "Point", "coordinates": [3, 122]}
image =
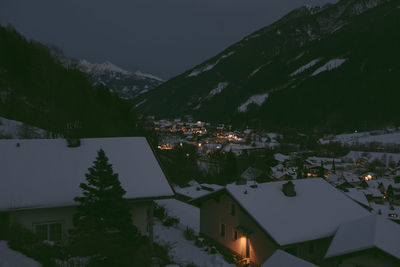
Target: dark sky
{"type": "Point", "coordinates": [162, 37]}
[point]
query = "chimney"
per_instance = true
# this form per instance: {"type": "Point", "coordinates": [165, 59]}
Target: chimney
{"type": "Point", "coordinates": [288, 189]}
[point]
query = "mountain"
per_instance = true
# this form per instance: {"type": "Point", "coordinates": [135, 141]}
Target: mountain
{"type": "Point", "coordinates": [37, 89]}
{"type": "Point", "coordinates": [330, 68]}
{"type": "Point", "coordinates": [126, 84]}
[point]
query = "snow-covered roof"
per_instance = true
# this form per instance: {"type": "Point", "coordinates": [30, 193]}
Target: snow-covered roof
{"type": "Point", "coordinates": [197, 190]}
{"type": "Point", "coordinates": [315, 212]}
{"type": "Point", "coordinates": [280, 157]}
{"type": "Point", "coordinates": [364, 233]}
{"type": "Point", "coordinates": [281, 258]}
{"type": "Point", "coordinates": [357, 195]}
{"type": "Point", "coordinates": [386, 211]}
{"type": "Point", "coordinates": [251, 173]}
{"type": "Point", "coordinates": [45, 172]}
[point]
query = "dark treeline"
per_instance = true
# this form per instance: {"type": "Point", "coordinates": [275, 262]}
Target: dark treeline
{"type": "Point", "coordinates": [37, 89]}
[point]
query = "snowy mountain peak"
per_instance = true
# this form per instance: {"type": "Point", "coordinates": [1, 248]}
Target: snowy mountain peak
{"type": "Point", "coordinates": [101, 68]}
{"type": "Point", "coordinates": [146, 75]}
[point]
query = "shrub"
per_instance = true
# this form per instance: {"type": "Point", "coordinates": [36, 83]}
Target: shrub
{"type": "Point", "coordinates": [171, 221]}
{"type": "Point", "coordinates": [159, 212]}
{"type": "Point", "coordinates": [26, 242]}
{"type": "Point", "coordinates": [189, 234]}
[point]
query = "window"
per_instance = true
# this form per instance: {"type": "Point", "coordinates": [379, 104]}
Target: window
{"type": "Point", "coordinates": [49, 231]}
{"type": "Point", "coordinates": [233, 210]}
{"type": "Point", "coordinates": [222, 232]}
{"type": "Point", "coordinates": [235, 235]}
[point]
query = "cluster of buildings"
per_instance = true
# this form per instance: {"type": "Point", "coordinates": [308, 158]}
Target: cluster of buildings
{"type": "Point", "coordinates": [335, 220]}
{"type": "Point", "coordinates": [210, 138]}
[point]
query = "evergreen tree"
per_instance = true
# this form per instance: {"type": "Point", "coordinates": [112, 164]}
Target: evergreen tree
{"type": "Point", "coordinates": [299, 173]}
{"type": "Point", "coordinates": [321, 172]}
{"type": "Point", "coordinates": [333, 166]}
{"type": "Point", "coordinates": [389, 191]}
{"type": "Point", "coordinates": [103, 225]}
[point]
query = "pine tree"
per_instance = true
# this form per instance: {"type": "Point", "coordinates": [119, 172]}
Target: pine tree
{"type": "Point", "coordinates": [333, 167]}
{"type": "Point", "coordinates": [321, 172]}
{"type": "Point", "coordinates": [103, 223]}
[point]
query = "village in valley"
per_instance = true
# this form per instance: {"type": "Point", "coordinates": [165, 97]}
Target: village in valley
{"type": "Point", "coordinates": [272, 140]}
{"type": "Point", "coordinates": [366, 172]}
{"type": "Point", "coordinates": [361, 167]}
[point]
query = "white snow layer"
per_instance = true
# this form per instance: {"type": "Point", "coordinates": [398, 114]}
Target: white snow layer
{"type": "Point", "coordinates": [101, 68]}
{"type": "Point", "coordinates": [16, 129]}
{"type": "Point", "coordinates": [209, 66]}
{"type": "Point", "coordinates": [45, 172]}
{"type": "Point", "coordinates": [255, 71]}
{"type": "Point", "coordinates": [315, 212]}
{"type": "Point", "coordinates": [368, 232]}
{"type": "Point", "coordinates": [189, 215]}
{"type": "Point", "coordinates": [306, 66]}
{"type": "Point", "coordinates": [218, 89]}
{"type": "Point", "coordinates": [11, 258]}
{"type": "Point", "coordinates": [146, 75]}
{"type": "Point", "coordinates": [364, 138]}
{"type": "Point", "coordinates": [330, 65]}
{"type": "Point", "coordinates": [281, 258]}
{"type": "Point", "coordinates": [255, 99]}
{"type": "Point", "coordinates": [184, 251]}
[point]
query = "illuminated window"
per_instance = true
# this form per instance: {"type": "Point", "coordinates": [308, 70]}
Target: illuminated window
{"type": "Point", "coordinates": [49, 231]}
{"type": "Point", "coordinates": [222, 230]}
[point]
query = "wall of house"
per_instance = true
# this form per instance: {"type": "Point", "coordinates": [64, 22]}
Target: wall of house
{"type": "Point", "coordinates": [29, 217]}
{"type": "Point", "coordinates": [312, 251]}
{"type": "Point", "coordinates": [214, 212]}
{"type": "Point", "coordinates": [140, 211]}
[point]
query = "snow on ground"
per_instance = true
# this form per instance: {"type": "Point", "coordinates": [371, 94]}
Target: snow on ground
{"type": "Point", "coordinates": [11, 258]}
{"type": "Point", "coordinates": [364, 138]}
{"type": "Point", "coordinates": [330, 65]}
{"type": "Point", "coordinates": [209, 66]}
{"type": "Point", "coordinates": [184, 251]}
{"type": "Point", "coordinates": [255, 71]}
{"type": "Point", "coordinates": [101, 68]}
{"type": "Point", "coordinates": [371, 156]}
{"type": "Point", "coordinates": [255, 99]}
{"type": "Point", "coordinates": [218, 89]}
{"type": "Point", "coordinates": [306, 66]}
{"type": "Point", "coordinates": [188, 215]}
{"type": "Point", "coordinates": [16, 129]}
{"type": "Point", "coordinates": [140, 103]}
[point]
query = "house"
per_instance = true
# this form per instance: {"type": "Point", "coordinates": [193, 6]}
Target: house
{"type": "Point", "coordinates": [299, 217]}
{"type": "Point", "coordinates": [41, 177]}
{"type": "Point", "coordinates": [350, 178]}
{"type": "Point", "coordinates": [368, 241]}
{"type": "Point", "coordinates": [368, 176]}
{"type": "Point", "coordinates": [195, 190]}
{"type": "Point", "coordinates": [251, 174]}
{"type": "Point", "coordinates": [281, 258]}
